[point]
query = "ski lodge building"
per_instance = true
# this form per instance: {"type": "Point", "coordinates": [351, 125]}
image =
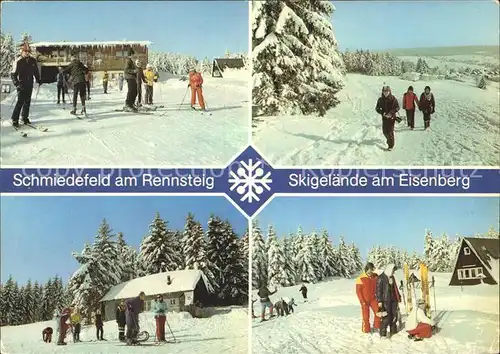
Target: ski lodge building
{"type": "Point", "coordinates": [183, 291]}
{"type": "Point", "coordinates": [219, 65]}
{"type": "Point", "coordinates": [477, 262]}
{"type": "Point", "coordinates": [99, 56]}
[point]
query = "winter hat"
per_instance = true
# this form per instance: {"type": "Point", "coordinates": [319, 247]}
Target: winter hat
{"type": "Point", "coordinates": [427, 88]}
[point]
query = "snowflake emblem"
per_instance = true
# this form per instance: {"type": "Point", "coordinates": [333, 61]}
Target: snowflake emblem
{"type": "Point", "coordinates": [250, 181]}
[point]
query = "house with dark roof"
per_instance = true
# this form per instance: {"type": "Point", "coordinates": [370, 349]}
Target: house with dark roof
{"type": "Point", "coordinates": [219, 65]}
{"type": "Point", "coordinates": [477, 262]}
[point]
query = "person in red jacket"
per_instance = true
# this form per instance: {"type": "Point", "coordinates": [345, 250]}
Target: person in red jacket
{"type": "Point", "coordinates": [427, 105]}
{"type": "Point", "coordinates": [196, 82]}
{"type": "Point", "coordinates": [410, 103]}
{"type": "Point", "coordinates": [366, 284]}
{"type": "Point", "coordinates": [388, 107]}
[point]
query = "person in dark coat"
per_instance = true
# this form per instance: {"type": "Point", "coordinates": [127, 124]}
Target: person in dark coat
{"type": "Point", "coordinates": [388, 298]}
{"type": "Point", "coordinates": [130, 74]}
{"type": "Point", "coordinates": [427, 106]}
{"type": "Point", "coordinates": [303, 290]}
{"type": "Point", "coordinates": [61, 86]}
{"type": "Point", "coordinates": [281, 307]}
{"type": "Point", "coordinates": [23, 71]}
{"type": "Point", "coordinates": [78, 73]}
{"type": "Point", "coordinates": [141, 79]}
{"type": "Point", "coordinates": [47, 334]}
{"type": "Point", "coordinates": [291, 304]}
{"type": "Point", "coordinates": [388, 106]}
{"type": "Point", "coordinates": [410, 103]}
{"type": "Point", "coordinates": [121, 320]}
{"type": "Point", "coordinates": [265, 302]}
{"type": "Point", "coordinates": [133, 308]}
{"type": "Point", "coordinates": [99, 325]}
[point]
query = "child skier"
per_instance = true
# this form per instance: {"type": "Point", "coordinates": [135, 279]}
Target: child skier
{"type": "Point", "coordinates": [47, 334]}
{"type": "Point", "coordinates": [303, 290]}
{"type": "Point", "coordinates": [291, 304]}
{"type": "Point", "coordinates": [120, 320]}
{"type": "Point", "coordinates": [160, 309]}
{"type": "Point", "coordinates": [418, 325]}
{"type": "Point", "coordinates": [196, 82]}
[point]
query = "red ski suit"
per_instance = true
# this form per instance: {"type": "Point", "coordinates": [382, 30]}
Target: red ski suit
{"type": "Point", "coordinates": [365, 290]}
{"type": "Point", "coordinates": [195, 82]}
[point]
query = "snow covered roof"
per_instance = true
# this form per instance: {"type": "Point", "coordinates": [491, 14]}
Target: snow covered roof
{"type": "Point", "coordinates": [181, 280]}
{"type": "Point", "coordinates": [488, 252]}
{"type": "Point", "coordinates": [88, 44]}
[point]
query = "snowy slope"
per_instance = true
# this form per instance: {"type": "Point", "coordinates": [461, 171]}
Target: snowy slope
{"type": "Point", "coordinates": [331, 322]}
{"type": "Point", "coordinates": [222, 333]}
{"type": "Point", "coordinates": [464, 130]}
{"type": "Point", "coordinates": [174, 135]}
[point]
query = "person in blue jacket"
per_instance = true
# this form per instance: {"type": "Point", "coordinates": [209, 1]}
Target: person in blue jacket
{"type": "Point", "coordinates": [160, 311]}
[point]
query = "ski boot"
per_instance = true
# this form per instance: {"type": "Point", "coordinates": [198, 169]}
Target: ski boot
{"type": "Point", "coordinates": [84, 111]}
{"type": "Point", "coordinates": [15, 123]}
{"type": "Point", "coordinates": [73, 111]}
{"type": "Point", "coordinates": [130, 109]}
{"type": "Point", "coordinates": [26, 121]}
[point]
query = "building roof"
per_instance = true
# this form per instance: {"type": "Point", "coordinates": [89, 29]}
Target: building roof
{"type": "Point", "coordinates": [88, 44]}
{"type": "Point", "coordinates": [230, 63]}
{"type": "Point", "coordinates": [181, 281]}
{"type": "Point", "coordinates": [488, 252]}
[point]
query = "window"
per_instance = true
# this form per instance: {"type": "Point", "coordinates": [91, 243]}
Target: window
{"type": "Point", "coordinates": [5, 88]}
{"type": "Point", "coordinates": [467, 274]}
{"type": "Point", "coordinates": [466, 251]}
{"type": "Point", "coordinates": [173, 301]}
{"type": "Point", "coordinates": [120, 54]}
{"type": "Point", "coordinates": [471, 273]}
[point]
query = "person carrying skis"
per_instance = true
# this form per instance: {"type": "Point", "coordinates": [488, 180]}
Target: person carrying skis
{"type": "Point", "coordinates": [121, 320]}
{"type": "Point", "coordinates": [77, 71]}
{"type": "Point", "coordinates": [195, 83]}
{"type": "Point", "coordinates": [105, 79]}
{"type": "Point", "coordinates": [388, 106]}
{"type": "Point", "coordinates": [418, 325]}
{"type": "Point", "coordinates": [133, 308]}
{"type": "Point", "coordinates": [24, 70]}
{"type": "Point", "coordinates": [366, 284]}
{"type": "Point", "coordinates": [99, 325]}
{"type": "Point", "coordinates": [303, 290]}
{"type": "Point", "coordinates": [47, 334]}
{"type": "Point", "coordinates": [140, 80]}
{"type": "Point", "coordinates": [120, 82]}
{"type": "Point", "coordinates": [410, 102]}
{"type": "Point", "coordinates": [88, 81]}
{"type": "Point", "coordinates": [265, 302]}
{"type": "Point", "coordinates": [61, 83]}
{"type": "Point", "coordinates": [76, 320]}
{"type": "Point", "coordinates": [130, 74]}
{"type": "Point", "coordinates": [160, 309]}
{"type": "Point", "coordinates": [63, 326]}
{"type": "Point", "coordinates": [151, 77]}
{"type": "Point", "coordinates": [388, 298]}
{"type": "Point", "coordinates": [427, 106]}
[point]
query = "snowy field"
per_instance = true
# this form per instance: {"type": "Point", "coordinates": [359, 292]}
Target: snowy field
{"type": "Point", "coordinates": [225, 332]}
{"type": "Point", "coordinates": [464, 130]}
{"type": "Point", "coordinates": [173, 135]}
{"type": "Point", "coordinates": [331, 322]}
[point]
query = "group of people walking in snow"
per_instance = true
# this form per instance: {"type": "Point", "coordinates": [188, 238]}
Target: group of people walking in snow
{"type": "Point", "coordinates": [283, 307]}
{"type": "Point", "coordinates": [388, 107]}
{"type": "Point", "coordinates": [380, 293]}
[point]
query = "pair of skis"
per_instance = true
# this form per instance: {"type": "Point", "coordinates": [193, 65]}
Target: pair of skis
{"type": "Point", "coordinates": [425, 288]}
{"type": "Point", "coordinates": [32, 126]}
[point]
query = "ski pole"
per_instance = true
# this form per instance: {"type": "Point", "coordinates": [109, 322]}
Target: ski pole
{"type": "Point", "coordinates": [434, 293]}
{"type": "Point", "coordinates": [170, 329]}
{"type": "Point", "coordinates": [182, 102]}
{"type": "Point", "coordinates": [36, 95]}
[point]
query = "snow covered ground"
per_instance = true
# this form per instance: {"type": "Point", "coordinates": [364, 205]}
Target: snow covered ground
{"type": "Point", "coordinates": [226, 332]}
{"type": "Point", "coordinates": [464, 130]}
{"type": "Point", "coordinates": [174, 135]}
{"type": "Point", "coordinates": [331, 322]}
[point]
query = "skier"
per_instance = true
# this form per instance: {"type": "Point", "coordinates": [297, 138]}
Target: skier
{"type": "Point", "coordinates": [303, 290]}
{"type": "Point", "coordinates": [77, 71]}
{"type": "Point", "coordinates": [388, 106]}
{"type": "Point", "coordinates": [24, 70]}
{"type": "Point", "coordinates": [140, 80]}
{"type": "Point", "coordinates": [134, 307]}
{"type": "Point", "coordinates": [120, 82]}
{"type": "Point", "coordinates": [427, 106]}
{"type": "Point", "coordinates": [63, 326]}
{"type": "Point", "coordinates": [130, 73]}
{"type": "Point", "coordinates": [105, 78]}
{"type": "Point", "coordinates": [99, 325]}
{"type": "Point", "coordinates": [418, 325]}
{"type": "Point", "coordinates": [76, 320]}
{"type": "Point", "coordinates": [196, 82]}
{"type": "Point", "coordinates": [88, 81]}
{"type": "Point", "coordinates": [291, 304]}
{"type": "Point", "coordinates": [410, 101]}
{"type": "Point", "coordinates": [159, 309]}
{"type": "Point", "coordinates": [265, 302]}
{"type": "Point", "coordinates": [61, 83]}
{"type": "Point", "coordinates": [388, 298]}
{"type": "Point", "coordinates": [366, 284]}
{"type": "Point", "coordinates": [47, 334]}
{"type": "Point", "coordinates": [151, 78]}
{"type": "Point", "coordinates": [121, 320]}
{"type": "Point", "coordinates": [281, 307]}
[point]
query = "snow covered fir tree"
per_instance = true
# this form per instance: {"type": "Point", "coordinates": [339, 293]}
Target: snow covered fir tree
{"type": "Point", "coordinates": [297, 68]}
{"type": "Point", "coordinates": [216, 250]}
{"type": "Point", "coordinates": [312, 257]}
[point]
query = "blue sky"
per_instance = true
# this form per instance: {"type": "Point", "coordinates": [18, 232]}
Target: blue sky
{"type": "Point", "coordinates": [38, 234]}
{"type": "Point", "coordinates": [390, 25]}
{"type": "Point", "coordinates": [199, 28]}
{"type": "Point", "coordinates": [400, 221]}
